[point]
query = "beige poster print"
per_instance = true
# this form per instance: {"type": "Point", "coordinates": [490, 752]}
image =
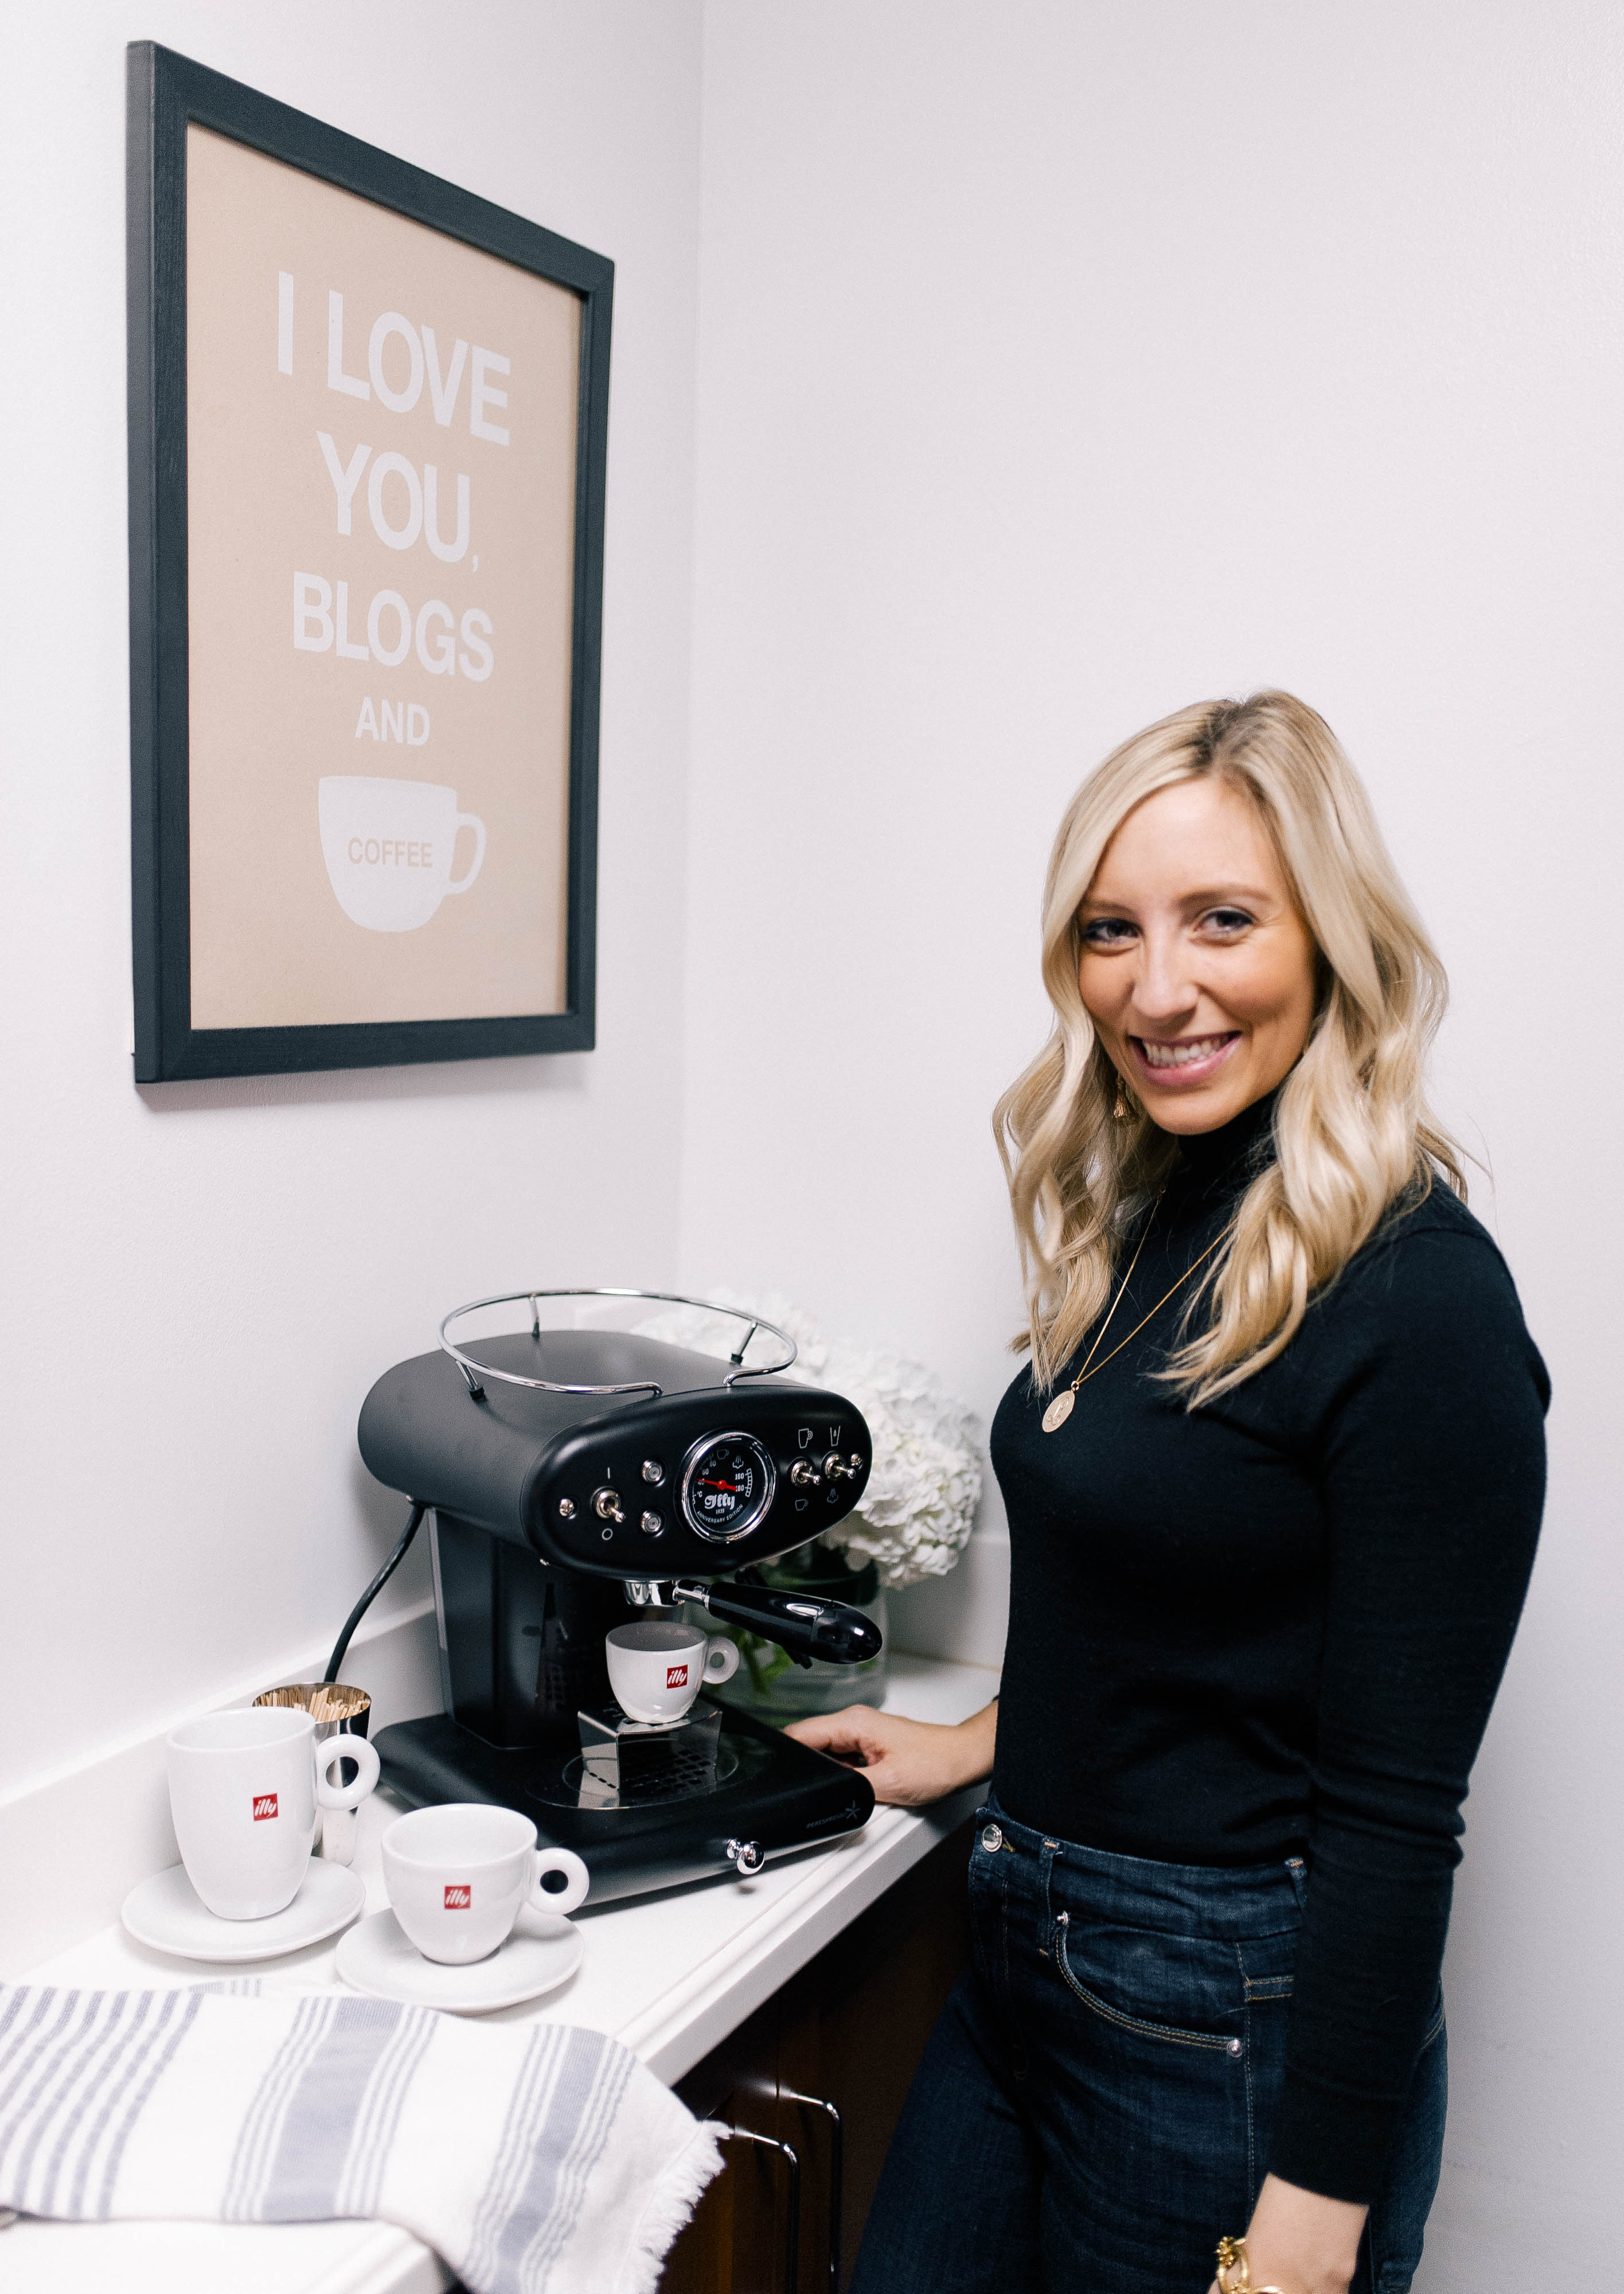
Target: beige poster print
{"type": "Point", "coordinates": [381, 497]}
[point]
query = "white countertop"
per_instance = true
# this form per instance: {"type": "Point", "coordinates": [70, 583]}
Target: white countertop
{"type": "Point", "coordinates": [668, 1975]}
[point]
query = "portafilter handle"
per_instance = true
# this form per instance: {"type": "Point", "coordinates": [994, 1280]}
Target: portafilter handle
{"type": "Point", "coordinates": [802, 1628]}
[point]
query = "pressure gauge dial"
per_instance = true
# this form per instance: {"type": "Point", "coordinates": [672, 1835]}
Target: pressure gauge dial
{"type": "Point", "coordinates": [727, 1482]}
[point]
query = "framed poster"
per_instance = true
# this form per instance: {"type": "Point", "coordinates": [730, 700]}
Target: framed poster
{"type": "Point", "coordinates": [367, 417]}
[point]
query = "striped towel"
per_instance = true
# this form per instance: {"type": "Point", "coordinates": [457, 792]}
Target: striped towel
{"type": "Point", "coordinates": [535, 2159]}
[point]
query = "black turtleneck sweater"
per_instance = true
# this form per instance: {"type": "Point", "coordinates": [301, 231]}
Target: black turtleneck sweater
{"type": "Point", "coordinates": [1275, 1625]}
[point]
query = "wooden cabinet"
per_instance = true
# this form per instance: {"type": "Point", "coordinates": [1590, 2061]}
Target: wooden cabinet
{"type": "Point", "coordinates": [848, 2030]}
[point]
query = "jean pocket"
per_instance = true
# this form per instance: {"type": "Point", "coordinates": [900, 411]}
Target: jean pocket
{"type": "Point", "coordinates": [1141, 1984]}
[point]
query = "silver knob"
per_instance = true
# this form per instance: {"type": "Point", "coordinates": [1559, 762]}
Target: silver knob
{"type": "Point", "coordinates": [653, 1471]}
{"type": "Point", "coordinates": [836, 1468]}
{"type": "Point", "coordinates": [606, 1505]}
{"type": "Point", "coordinates": [745, 1855]}
{"type": "Point", "coordinates": [566, 1508]}
{"type": "Point", "coordinates": [653, 1524]}
{"type": "Point", "coordinates": [805, 1476]}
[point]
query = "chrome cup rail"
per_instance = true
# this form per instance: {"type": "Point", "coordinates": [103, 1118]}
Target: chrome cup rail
{"type": "Point", "coordinates": [475, 1373]}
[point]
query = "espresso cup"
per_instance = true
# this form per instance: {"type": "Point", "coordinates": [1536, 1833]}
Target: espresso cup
{"type": "Point", "coordinates": [460, 1874]}
{"type": "Point", "coordinates": [244, 1788]}
{"type": "Point", "coordinates": [388, 847]}
{"type": "Point", "coordinates": [658, 1665]}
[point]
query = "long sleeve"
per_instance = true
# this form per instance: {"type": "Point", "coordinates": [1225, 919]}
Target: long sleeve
{"type": "Point", "coordinates": [1431, 1457]}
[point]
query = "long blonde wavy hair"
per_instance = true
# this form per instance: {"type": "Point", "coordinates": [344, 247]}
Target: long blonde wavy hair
{"type": "Point", "coordinates": [1353, 1132]}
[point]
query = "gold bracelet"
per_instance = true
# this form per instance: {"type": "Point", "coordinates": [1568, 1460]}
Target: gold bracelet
{"type": "Point", "coordinates": [1233, 2257]}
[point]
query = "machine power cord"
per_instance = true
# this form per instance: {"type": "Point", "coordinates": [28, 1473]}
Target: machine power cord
{"type": "Point", "coordinates": [342, 1644]}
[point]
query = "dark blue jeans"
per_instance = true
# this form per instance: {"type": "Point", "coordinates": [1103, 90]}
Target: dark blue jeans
{"type": "Point", "coordinates": [1095, 2104]}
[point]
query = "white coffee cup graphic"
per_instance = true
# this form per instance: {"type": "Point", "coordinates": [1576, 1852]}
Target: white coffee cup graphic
{"type": "Point", "coordinates": [244, 1788]}
{"type": "Point", "coordinates": [388, 846]}
{"type": "Point", "coordinates": [657, 1667]}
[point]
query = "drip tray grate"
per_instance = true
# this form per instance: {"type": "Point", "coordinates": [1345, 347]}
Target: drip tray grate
{"type": "Point", "coordinates": [684, 1775]}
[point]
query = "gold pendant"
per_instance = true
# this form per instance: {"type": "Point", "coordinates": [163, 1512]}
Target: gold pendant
{"type": "Point", "coordinates": [1058, 1410]}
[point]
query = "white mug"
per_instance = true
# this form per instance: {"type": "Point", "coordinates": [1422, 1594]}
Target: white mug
{"type": "Point", "coordinates": [458, 1874]}
{"type": "Point", "coordinates": [658, 1666]}
{"type": "Point", "coordinates": [243, 1791]}
{"type": "Point", "coordinates": [388, 847]}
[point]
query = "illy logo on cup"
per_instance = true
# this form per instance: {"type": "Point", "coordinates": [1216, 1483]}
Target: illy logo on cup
{"type": "Point", "coordinates": [458, 1898]}
{"type": "Point", "coordinates": [264, 1805]}
{"type": "Point", "coordinates": [676, 1676]}
{"type": "Point", "coordinates": [389, 845]}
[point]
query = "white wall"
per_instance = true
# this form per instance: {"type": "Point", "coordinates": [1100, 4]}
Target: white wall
{"type": "Point", "coordinates": [1061, 364]}
{"type": "Point", "coordinates": [203, 1279]}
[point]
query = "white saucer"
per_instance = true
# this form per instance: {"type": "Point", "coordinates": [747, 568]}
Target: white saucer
{"type": "Point", "coordinates": [377, 1957]}
{"type": "Point", "coordinates": [165, 1913]}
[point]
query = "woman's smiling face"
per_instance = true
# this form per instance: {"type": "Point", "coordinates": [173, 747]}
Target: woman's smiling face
{"type": "Point", "coordinates": [1196, 968]}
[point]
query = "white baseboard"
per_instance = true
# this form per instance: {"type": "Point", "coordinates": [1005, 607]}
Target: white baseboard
{"type": "Point", "coordinates": [73, 1843]}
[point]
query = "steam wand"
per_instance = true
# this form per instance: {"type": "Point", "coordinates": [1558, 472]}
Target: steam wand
{"type": "Point", "coordinates": [803, 1628]}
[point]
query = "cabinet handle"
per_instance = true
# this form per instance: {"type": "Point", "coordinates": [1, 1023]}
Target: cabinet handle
{"type": "Point", "coordinates": [837, 2151]}
{"type": "Point", "coordinates": [792, 2260]}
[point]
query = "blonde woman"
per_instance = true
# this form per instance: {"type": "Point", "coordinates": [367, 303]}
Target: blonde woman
{"type": "Point", "coordinates": [1273, 1475]}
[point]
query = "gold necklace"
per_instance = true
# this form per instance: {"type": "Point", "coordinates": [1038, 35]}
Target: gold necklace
{"type": "Point", "coordinates": [1060, 1409]}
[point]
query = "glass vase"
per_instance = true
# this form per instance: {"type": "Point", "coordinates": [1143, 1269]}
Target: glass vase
{"type": "Point", "coordinates": [768, 1682]}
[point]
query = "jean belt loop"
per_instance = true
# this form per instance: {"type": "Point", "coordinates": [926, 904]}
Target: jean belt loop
{"type": "Point", "coordinates": [1048, 1854]}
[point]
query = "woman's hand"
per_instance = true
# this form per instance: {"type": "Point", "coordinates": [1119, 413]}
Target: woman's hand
{"type": "Point", "coordinates": [1301, 2242]}
{"type": "Point", "coordinates": [907, 1761]}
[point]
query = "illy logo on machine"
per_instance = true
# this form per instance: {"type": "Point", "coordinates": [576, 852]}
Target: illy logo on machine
{"type": "Point", "coordinates": [458, 1898]}
{"type": "Point", "coordinates": [676, 1676]}
{"type": "Point", "coordinates": [264, 1805]}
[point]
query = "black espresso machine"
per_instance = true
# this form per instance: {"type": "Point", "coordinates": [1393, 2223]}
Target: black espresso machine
{"type": "Point", "coordinates": [580, 1477]}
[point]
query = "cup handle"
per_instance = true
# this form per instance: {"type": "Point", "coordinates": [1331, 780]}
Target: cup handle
{"type": "Point", "coordinates": [344, 1747]}
{"type": "Point", "coordinates": [469, 820]}
{"type": "Point", "coordinates": [721, 1658]}
{"type": "Point", "coordinates": [577, 1880]}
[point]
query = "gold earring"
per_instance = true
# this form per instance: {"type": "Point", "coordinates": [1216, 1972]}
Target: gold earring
{"type": "Point", "coordinates": [1124, 1110]}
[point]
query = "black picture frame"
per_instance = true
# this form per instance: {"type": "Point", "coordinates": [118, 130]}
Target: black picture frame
{"type": "Point", "coordinates": [165, 93]}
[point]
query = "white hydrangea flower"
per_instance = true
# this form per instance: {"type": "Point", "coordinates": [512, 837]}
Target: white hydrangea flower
{"type": "Point", "coordinates": [920, 1504]}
